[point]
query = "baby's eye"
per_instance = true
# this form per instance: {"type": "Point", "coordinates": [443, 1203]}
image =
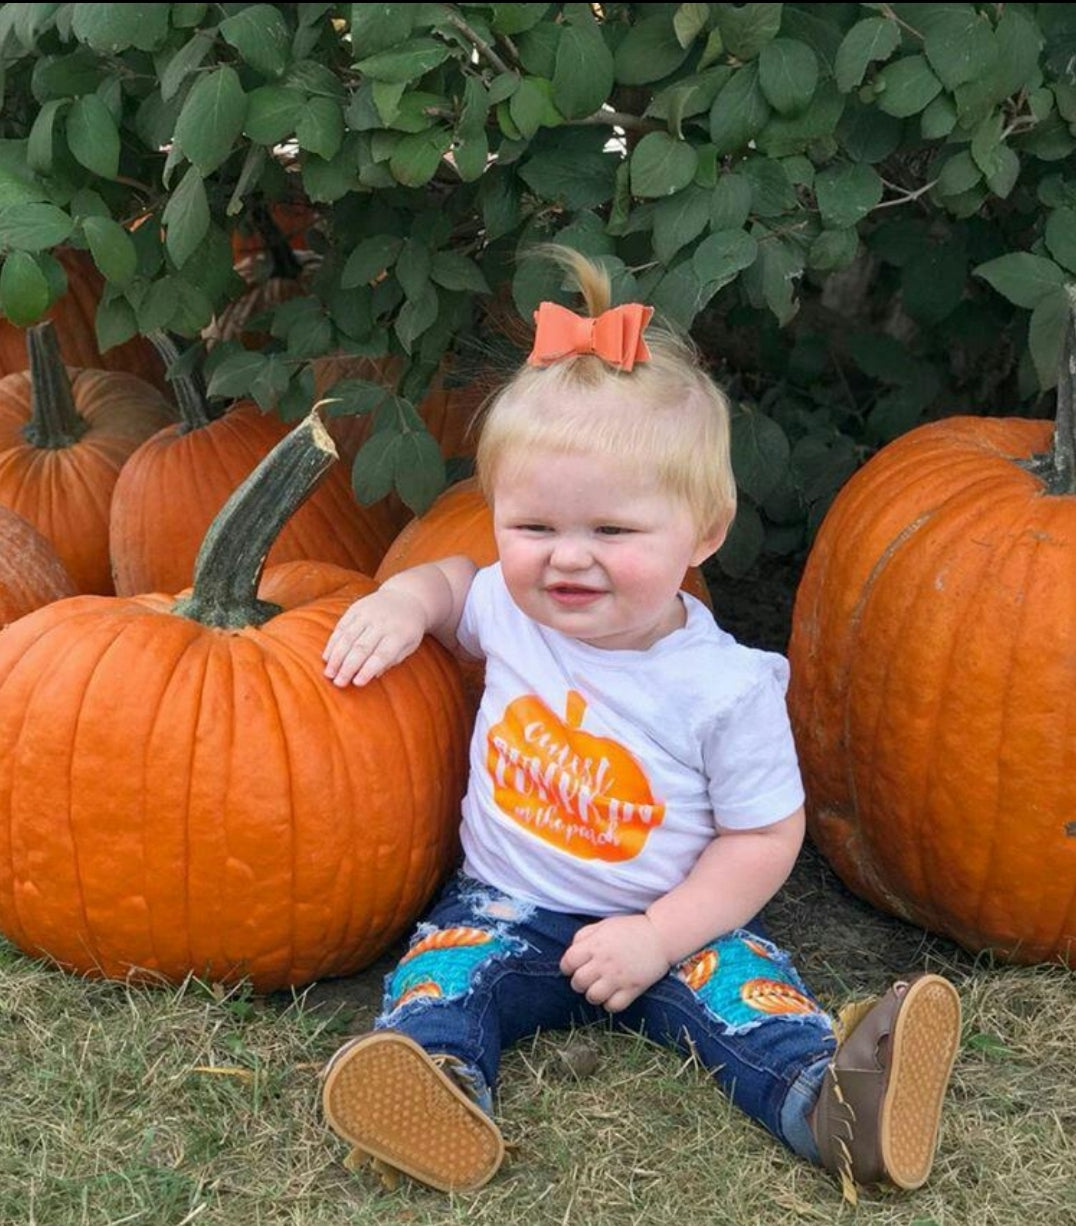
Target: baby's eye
{"type": "Point", "coordinates": [532, 527]}
{"type": "Point", "coordinates": [612, 530]}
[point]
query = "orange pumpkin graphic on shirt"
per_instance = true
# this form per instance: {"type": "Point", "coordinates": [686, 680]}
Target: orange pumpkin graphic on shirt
{"type": "Point", "coordinates": [584, 794]}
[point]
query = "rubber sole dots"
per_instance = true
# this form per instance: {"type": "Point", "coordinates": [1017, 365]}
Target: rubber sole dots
{"type": "Point", "coordinates": [387, 1097]}
{"type": "Point", "coordinates": [925, 1042]}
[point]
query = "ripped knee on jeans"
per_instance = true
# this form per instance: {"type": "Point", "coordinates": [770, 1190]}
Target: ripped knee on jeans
{"type": "Point", "coordinates": [442, 963]}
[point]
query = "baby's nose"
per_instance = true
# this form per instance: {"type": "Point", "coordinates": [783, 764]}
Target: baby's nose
{"type": "Point", "coordinates": [570, 553]}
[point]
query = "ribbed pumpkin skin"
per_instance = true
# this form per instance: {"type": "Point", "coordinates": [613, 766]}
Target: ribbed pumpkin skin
{"type": "Point", "coordinates": [74, 316]}
{"type": "Point", "coordinates": [933, 655]}
{"type": "Point", "coordinates": [460, 522]}
{"type": "Point", "coordinates": [175, 483]}
{"type": "Point", "coordinates": [178, 799]}
{"type": "Point", "coordinates": [65, 492]}
{"type": "Point", "coordinates": [31, 575]}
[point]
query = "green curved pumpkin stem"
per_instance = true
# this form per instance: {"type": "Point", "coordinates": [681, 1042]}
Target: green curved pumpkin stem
{"type": "Point", "coordinates": [54, 422]}
{"type": "Point", "coordinates": [232, 557]}
{"type": "Point", "coordinates": [193, 413]}
{"type": "Point", "coordinates": [1062, 479]}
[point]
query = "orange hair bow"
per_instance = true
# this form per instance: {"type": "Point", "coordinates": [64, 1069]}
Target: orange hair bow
{"type": "Point", "coordinates": [615, 336]}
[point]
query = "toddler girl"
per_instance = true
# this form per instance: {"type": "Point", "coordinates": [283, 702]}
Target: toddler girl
{"type": "Point", "coordinates": [634, 796]}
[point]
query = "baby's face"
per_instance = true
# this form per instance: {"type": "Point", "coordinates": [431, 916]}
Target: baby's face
{"type": "Point", "coordinates": [594, 549]}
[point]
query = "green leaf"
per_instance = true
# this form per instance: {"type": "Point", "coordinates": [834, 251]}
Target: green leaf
{"type": "Point", "coordinates": [730, 202]}
{"type": "Point", "coordinates": [959, 174]}
{"type": "Point", "coordinates": [847, 193]}
{"type": "Point", "coordinates": [273, 112]}
{"type": "Point", "coordinates": [760, 452]}
{"type": "Point", "coordinates": [24, 289]}
{"type": "Point", "coordinates": [416, 158]}
{"type": "Point", "coordinates": [772, 192]}
{"type": "Point", "coordinates": [1046, 332]}
{"type": "Point", "coordinates": [744, 542]}
{"type": "Point", "coordinates": [1022, 278]}
{"type": "Point", "coordinates": [416, 316]}
{"type": "Point", "coordinates": [739, 112]}
{"type": "Point", "coordinates": [370, 259]}
{"type": "Point", "coordinates": [236, 374]}
{"type": "Point", "coordinates": [406, 62]}
{"type": "Point", "coordinates": [788, 75]}
{"type": "Point", "coordinates": [376, 27]}
{"type": "Point", "coordinates": [92, 136]}
{"type": "Point", "coordinates": [40, 142]}
{"type": "Point", "coordinates": [679, 220]}
{"type": "Point", "coordinates": [211, 119]}
{"type": "Point", "coordinates": [270, 382]}
{"type": "Point", "coordinates": [833, 249]}
{"type": "Point", "coordinates": [186, 217]}
{"type": "Point", "coordinates": [454, 271]}
{"type": "Point", "coordinates": [112, 249]}
{"type": "Point", "coordinates": [960, 44]}
{"type": "Point", "coordinates": [419, 470]}
{"type": "Point", "coordinates": [648, 52]}
{"type": "Point", "coordinates": [110, 28]}
{"type": "Point", "coordinates": [932, 282]}
{"type": "Point", "coordinates": [413, 267]}
{"type": "Point", "coordinates": [578, 173]}
{"type": "Point", "coordinates": [583, 71]}
{"type": "Point", "coordinates": [720, 257]}
{"type": "Point", "coordinates": [874, 38]}
{"type": "Point", "coordinates": [531, 107]}
{"type": "Point", "coordinates": [184, 62]}
{"type": "Point", "coordinates": [661, 165]}
{"type": "Point", "coordinates": [261, 36]}
{"type": "Point", "coordinates": [471, 157]}
{"type": "Point", "coordinates": [747, 28]}
{"type": "Point", "coordinates": [33, 227]}
{"type": "Point", "coordinates": [1060, 237]}
{"type": "Point", "coordinates": [114, 323]}
{"type": "Point", "coordinates": [320, 128]}
{"type": "Point", "coordinates": [374, 470]}
{"type": "Point", "coordinates": [908, 86]}
{"type": "Point", "coordinates": [689, 22]}
{"type": "Point", "coordinates": [939, 118]}
{"type": "Point", "coordinates": [1004, 171]}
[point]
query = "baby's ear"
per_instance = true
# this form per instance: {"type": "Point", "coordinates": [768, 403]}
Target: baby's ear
{"type": "Point", "coordinates": [711, 542]}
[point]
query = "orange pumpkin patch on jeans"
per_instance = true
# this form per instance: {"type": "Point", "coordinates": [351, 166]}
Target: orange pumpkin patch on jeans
{"type": "Point", "coordinates": [634, 796]}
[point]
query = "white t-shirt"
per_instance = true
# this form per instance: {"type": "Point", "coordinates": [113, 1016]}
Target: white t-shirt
{"type": "Point", "coordinates": [596, 776]}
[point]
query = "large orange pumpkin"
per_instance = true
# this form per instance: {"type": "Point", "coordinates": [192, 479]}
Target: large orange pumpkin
{"type": "Point", "coordinates": [173, 485]}
{"type": "Point", "coordinates": [933, 655]}
{"type": "Point", "coordinates": [64, 435]}
{"type": "Point", "coordinates": [183, 792]}
{"type": "Point", "coordinates": [74, 317]}
{"type": "Point", "coordinates": [31, 575]}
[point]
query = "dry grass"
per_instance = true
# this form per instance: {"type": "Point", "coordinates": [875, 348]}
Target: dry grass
{"type": "Point", "coordinates": [164, 1107]}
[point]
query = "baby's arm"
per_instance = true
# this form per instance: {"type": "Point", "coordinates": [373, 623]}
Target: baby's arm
{"type": "Point", "coordinates": [617, 959]}
{"type": "Point", "coordinates": [385, 627]}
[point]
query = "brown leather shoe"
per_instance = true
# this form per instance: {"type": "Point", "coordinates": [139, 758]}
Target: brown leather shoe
{"type": "Point", "coordinates": [397, 1106]}
{"type": "Point", "coordinates": [880, 1106]}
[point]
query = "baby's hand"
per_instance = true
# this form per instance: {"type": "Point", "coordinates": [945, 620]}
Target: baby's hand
{"type": "Point", "coordinates": [615, 960]}
{"type": "Point", "coordinates": [376, 632]}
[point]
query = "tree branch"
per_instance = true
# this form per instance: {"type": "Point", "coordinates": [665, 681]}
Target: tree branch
{"type": "Point", "coordinates": [479, 43]}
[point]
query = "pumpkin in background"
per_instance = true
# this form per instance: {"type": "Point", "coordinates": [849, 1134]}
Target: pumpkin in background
{"type": "Point", "coordinates": [933, 655]}
{"type": "Point", "coordinates": [184, 792]}
{"type": "Point", "coordinates": [175, 483]}
{"type": "Point", "coordinates": [269, 225]}
{"type": "Point", "coordinates": [31, 575]}
{"type": "Point", "coordinates": [74, 317]}
{"type": "Point", "coordinates": [64, 436]}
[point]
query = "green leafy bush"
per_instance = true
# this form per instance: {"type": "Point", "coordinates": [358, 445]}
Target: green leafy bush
{"type": "Point", "coordinates": [865, 213]}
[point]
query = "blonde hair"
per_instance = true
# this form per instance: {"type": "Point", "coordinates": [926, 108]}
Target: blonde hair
{"type": "Point", "coordinates": [666, 416]}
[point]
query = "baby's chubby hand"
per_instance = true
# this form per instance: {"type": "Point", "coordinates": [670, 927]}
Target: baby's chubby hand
{"type": "Point", "coordinates": [374, 633]}
{"type": "Point", "coordinates": [615, 960]}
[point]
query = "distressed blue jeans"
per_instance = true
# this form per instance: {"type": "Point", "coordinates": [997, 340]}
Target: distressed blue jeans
{"type": "Point", "coordinates": [483, 972]}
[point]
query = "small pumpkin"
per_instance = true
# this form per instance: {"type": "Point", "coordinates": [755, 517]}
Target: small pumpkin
{"type": "Point", "coordinates": [175, 483]}
{"type": "Point", "coordinates": [185, 793]}
{"type": "Point", "coordinates": [74, 318]}
{"type": "Point", "coordinates": [64, 436]}
{"type": "Point", "coordinates": [31, 575]}
{"type": "Point", "coordinates": [933, 656]}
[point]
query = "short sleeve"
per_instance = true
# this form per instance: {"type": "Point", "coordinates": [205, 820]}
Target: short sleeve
{"type": "Point", "coordinates": [750, 757]}
{"type": "Point", "coordinates": [478, 612]}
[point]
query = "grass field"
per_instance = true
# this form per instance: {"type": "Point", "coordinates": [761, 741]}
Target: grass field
{"type": "Point", "coordinates": [164, 1106]}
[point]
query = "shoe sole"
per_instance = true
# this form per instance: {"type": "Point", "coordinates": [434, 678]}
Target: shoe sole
{"type": "Point", "coordinates": [924, 1045]}
{"type": "Point", "coordinates": [387, 1097]}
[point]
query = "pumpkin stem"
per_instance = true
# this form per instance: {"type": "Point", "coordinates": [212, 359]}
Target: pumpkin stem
{"type": "Point", "coordinates": [193, 414]}
{"type": "Point", "coordinates": [1063, 477]}
{"type": "Point", "coordinates": [55, 422]}
{"type": "Point", "coordinates": [232, 557]}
